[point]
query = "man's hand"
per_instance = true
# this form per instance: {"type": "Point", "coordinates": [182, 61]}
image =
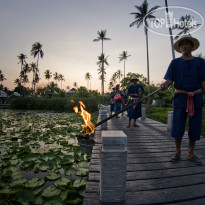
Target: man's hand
{"type": "Point", "coordinates": [166, 84]}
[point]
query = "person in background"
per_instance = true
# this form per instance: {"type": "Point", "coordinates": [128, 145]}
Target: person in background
{"type": "Point", "coordinates": [135, 92]}
{"type": "Point", "coordinates": [117, 99]}
{"type": "Point", "coordinates": [112, 94]}
{"type": "Point", "coordinates": [124, 98]}
{"type": "Point", "coordinates": [188, 74]}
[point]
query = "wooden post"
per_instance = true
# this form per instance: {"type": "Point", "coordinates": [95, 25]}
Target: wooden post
{"type": "Point", "coordinates": [103, 115]}
{"type": "Point", "coordinates": [113, 167]}
{"type": "Point", "coordinates": [143, 110]}
{"type": "Point", "coordinates": [169, 120]}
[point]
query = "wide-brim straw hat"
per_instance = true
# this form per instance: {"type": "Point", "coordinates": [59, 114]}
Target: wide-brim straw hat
{"type": "Point", "coordinates": [186, 37]}
{"type": "Point", "coordinates": [134, 78]}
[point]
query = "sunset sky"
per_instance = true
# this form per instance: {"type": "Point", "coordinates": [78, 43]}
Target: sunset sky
{"type": "Point", "coordinates": [66, 29]}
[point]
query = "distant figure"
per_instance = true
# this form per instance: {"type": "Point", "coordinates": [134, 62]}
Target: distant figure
{"type": "Point", "coordinates": [124, 98]}
{"type": "Point", "coordinates": [135, 92]}
{"type": "Point", "coordinates": [188, 75]}
{"type": "Point", "coordinates": [112, 94]}
{"type": "Point", "coordinates": [117, 99]}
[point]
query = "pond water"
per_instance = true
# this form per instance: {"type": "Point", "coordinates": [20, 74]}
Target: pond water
{"type": "Point", "coordinates": [40, 159]}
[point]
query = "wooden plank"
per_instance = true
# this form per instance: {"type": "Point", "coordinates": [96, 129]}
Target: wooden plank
{"type": "Point", "coordinates": [163, 196]}
{"type": "Point", "coordinates": [151, 178]}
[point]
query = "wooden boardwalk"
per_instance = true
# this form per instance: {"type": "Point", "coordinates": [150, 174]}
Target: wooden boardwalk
{"type": "Point", "coordinates": [151, 178]}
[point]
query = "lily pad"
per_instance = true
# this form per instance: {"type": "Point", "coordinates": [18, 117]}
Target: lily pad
{"type": "Point", "coordinates": [35, 182]}
{"type": "Point", "coordinates": [39, 200]}
{"type": "Point", "coordinates": [18, 182]}
{"type": "Point", "coordinates": [53, 176]}
{"type": "Point", "coordinates": [79, 183]}
{"type": "Point", "coordinates": [51, 191]}
{"type": "Point", "coordinates": [62, 182]}
{"type": "Point", "coordinates": [54, 201]}
{"type": "Point", "coordinates": [25, 197]}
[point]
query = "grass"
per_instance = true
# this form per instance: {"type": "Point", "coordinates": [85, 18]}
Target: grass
{"type": "Point", "coordinates": [161, 113]}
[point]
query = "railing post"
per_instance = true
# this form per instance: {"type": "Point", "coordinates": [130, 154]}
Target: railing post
{"type": "Point", "coordinates": [113, 167]}
{"type": "Point", "coordinates": [103, 115]}
{"type": "Point", "coordinates": [169, 120]}
{"type": "Point", "coordinates": [143, 110]}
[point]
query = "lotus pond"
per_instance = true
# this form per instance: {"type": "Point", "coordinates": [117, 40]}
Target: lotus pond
{"type": "Point", "coordinates": [40, 159]}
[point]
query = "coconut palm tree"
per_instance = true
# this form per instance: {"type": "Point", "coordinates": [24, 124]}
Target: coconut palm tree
{"type": "Point", "coordinates": [48, 75]}
{"type": "Point", "coordinates": [123, 57]}
{"type": "Point", "coordinates": [56, 77]}
{"type": "Point", "coordinates": [185, 29]}
{"type": "Point", "coordinates": [87, 78]}
{"type": "Point", "coordinates": [36, 80]}
{"type": "Point", "coordinates": [114, 78]}
{"type": "Point", "coordinates": [119, 74]}
{"type": "Point", "coordinates": [170, 29]}
{"type": "Point", "coordinates": [17, 82]}
{"type": "Point", "coordinates": [75, 84]}
{"type": "Point", "coordinates": [37, 51]}
{"type": "Point", "coordinates": [22, 60]}
{"type": "Point", "coordinates": [101, 68]}
{"type": "Point", "coordinates": [142, 16]}
{"type": "Point", "coordinates": [34, 70]}
{"type": "Point", "coordinates": [61, 78]}
{"type": "Point", "coordinates": [111, 85]}
{"type": "Point", "coordinates": [68, 87]}
{"type": "Point", "coordinates": [26, 69]}
{"type": "Point", "coordinates": [102, 37]}
{"type": "Point", "coordinates": [2, 78]}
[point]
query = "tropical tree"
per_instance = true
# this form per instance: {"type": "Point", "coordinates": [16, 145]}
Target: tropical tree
{"type": "Point", "coordinates": [56, 77]}
{"type": "Point", "coordinates": [184, 27]}
{"type": "Point", "coordinates": [87, 78]}
{"type": "Point", "coordinates": [123, 57]}
{"type": "Point", "coordinates": [37, 51]}
{"type": "Point", "coordinates": [111, 85]}
{"type": "Point", "coordinates": [142, 16]}
{"type": "Point", "coordinates": [119, 75]}
{"type": "Point", "coordinates": [68, 87]}
{"type": "Point", "coordinates": [17, 82]}
{"type": "Point", "coordinates": [102, 37]}
{"type": "Point", "coordinates": [34, 69]}
{"type": "Point", "coordinates": [75, 84]}
{"type": "Point", "coordinates": [2, 78]}
{"type": "Point", "coordinates": [22, 60]}
{"type": "Point", "coordinates": [101, 69]}
{"type": "Point", "coordinates": [48, 75]}
{"type": "Point", "coordinates": [61, 78]}
{"type": "Point", "coordinates": [36, 80]}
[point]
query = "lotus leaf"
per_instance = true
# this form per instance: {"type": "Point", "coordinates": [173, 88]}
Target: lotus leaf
{"type": "Point", "coordinates": [79, 183]}
{"type": "Point", "coordinates": [51, 191]}
{"type": "Point", "coordinates": [53, 176]}
{"type": "Point", "coordinates": [18, 182]}
{"type": "Point", "coordinates": [39, 200]}
{"type": "Point", "coordinates": [36, 191]}
{"type": "Point", "coordinates": [25, 197]}
{"type": "Point", "coordinates": [54, 201]}
{"type": "Point", "coordinates": [35, 182]}
{"type": "Point", "coordinates": [62, 182]}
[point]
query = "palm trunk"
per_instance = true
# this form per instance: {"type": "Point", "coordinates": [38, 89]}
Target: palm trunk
{"type": "Point", "coordinates": [102, 74]}
{"type": "Point", "coordinates": [170, 30]}
{"type": "Point", "coordinates": [147, 64]}
{"type": "Point", "coordinates": [124, 69]}
{"type": "Point", "coordinates": [90, 84]}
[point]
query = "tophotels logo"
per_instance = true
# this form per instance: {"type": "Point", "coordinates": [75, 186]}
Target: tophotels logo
{"type": "Point", "coordinates": [178, 18]}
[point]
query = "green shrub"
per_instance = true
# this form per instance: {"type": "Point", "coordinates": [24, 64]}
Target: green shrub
{"type": "Point", "coordinates": [57, 104]}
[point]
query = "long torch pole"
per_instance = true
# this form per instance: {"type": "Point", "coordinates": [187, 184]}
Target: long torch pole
{"type": "Point", "coordinates": [110, 117]}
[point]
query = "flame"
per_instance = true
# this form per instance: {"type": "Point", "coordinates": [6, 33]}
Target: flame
{"type": "Point", "coordinates": [75, 109]}
{"type": "Point", "coordinates": [88, 127]}
{"type": "Point", "coordinates": [72, 101]}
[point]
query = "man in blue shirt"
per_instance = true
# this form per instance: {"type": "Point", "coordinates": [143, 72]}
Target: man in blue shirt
{"type": "Point", "coordinates": [188, 75]}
